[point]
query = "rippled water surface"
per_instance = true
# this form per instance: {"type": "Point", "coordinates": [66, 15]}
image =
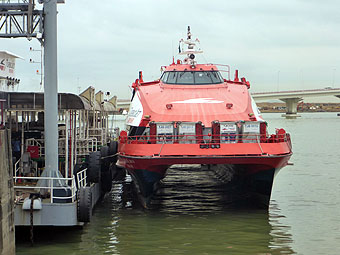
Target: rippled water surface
{"type": "Point", "coordinates": [192, 213]}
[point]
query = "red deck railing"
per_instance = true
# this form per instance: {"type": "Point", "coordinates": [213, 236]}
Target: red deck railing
{"type": "Point", "coordinates": [206, 139]}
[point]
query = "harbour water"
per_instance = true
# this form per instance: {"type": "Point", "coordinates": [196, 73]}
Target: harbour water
{"type": "Point", "coordinates": [192, 214]}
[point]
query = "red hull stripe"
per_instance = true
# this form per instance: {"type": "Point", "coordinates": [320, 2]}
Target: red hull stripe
{"type": "Point", "coordinates": [160, 164]}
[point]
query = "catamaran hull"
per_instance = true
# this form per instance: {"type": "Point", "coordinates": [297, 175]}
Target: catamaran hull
{"type": "Point", "coordinates": [245, 178]}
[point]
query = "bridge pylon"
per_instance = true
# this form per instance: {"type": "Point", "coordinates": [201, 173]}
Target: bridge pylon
{"type": "Point", "coordinates": [291, 107]}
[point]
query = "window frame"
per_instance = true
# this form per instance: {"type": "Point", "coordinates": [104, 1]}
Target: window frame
{"type": "Point", "coordinates": [165, 75]}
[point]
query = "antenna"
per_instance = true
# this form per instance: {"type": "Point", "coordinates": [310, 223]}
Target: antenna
{"type": "Point", "coordinates": [191, 48]}
{"type": "Point", "coordinates": [189, 34]}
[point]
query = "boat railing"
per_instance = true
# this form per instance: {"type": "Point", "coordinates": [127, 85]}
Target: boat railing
{"type": "Point", "coordinates": [38, 143]}
{"type": "Point", "coordinates": [56, 189]}
{"type": "Point", "coordinates": [83, 146]}
{"type": "Point", "coordinates": [17, 168]}
{"type": "Point", "coordinates": [82, 178]}
{"type": "Point", "coordinates": [224, 68]}
{"type": "Point", "coordinates": [97, 133]}
{"type": "Point", "coordinates": [208, 139]}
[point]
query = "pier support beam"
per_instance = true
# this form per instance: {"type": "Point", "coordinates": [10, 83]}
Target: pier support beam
{"type": "Point", "coordinates": [291, 107]}
{"type": "Point", "coordinates": [51, 88]}
{"type": "Point", "coordinates": [7, 237]}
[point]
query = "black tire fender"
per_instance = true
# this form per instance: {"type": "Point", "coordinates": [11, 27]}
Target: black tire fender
{"type": "Point", "coordinates": [94, 167]}
{"type": "Point", "coordinates": [105, 161]}
{"type": "Point", "coordinates": [84, 204]}
{"type": "Point", "coordinates": [113, 147]}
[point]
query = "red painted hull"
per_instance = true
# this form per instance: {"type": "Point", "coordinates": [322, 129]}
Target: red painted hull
{"type": "Point", "coordinates": [249, 167]}
{"type": "Point", "coordinates": [159, 157]}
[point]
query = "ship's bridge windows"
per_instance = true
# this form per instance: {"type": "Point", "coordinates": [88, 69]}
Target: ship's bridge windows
{"type": "Point", "coordinates": [185, 78]}
{"type": "Point", "coordinates": [165, 76]}
{"type": "Point", "coordinates": [170, 77]}
{"type": "Point", "coordinates": [192, 77]}
{"type": "Point", "coordinates": [202, 77]}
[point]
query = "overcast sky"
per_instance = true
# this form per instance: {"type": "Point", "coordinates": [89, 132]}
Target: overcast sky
{"type": "Point", "coordinates": [285, 45]}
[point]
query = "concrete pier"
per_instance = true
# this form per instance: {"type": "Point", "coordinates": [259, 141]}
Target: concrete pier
{"type": "Point", "coordinates": [7, 237]}
{"type": "Point", "coordinates": [291, 104]}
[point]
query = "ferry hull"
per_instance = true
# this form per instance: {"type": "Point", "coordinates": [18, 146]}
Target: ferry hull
{"type": "Point", "coordinates": [246, 177]}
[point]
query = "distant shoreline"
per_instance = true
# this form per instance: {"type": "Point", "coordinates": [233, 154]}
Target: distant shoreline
{"type": "Point", "coordinates": [302, 107]}
{"type": "Point", "coordinates": [298, 111]}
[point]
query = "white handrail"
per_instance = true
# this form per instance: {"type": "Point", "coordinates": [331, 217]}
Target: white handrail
{"type": "Point", "coordinates": [82, 178]}
{"type": "Point", "coordinates": [35, 142]}
{"type": "Point", "coordinates": [51, 187]}
{"type": "Point", "coordinates": [16, 168]}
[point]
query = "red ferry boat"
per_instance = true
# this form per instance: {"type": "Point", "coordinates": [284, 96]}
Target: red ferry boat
{"type": "Point", "coordinates": [192, 115]}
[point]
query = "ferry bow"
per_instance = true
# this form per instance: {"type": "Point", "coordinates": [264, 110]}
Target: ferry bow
{"type": "Point", "coordinates": [192, 115]}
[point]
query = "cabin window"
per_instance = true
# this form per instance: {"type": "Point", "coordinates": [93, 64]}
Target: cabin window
{"type": "Point", "coordinates": [171, 78]}
{"type": "Point", "coordinates": [203, 77]}
{"type": "Point", "coordinates": [165, 76]}
{"type": "Point", "coordinates": [185, 78]}
{"type": "Point", "coordinates": [216, 77]}
{"type": "Point", "coordinates": [192, 77]}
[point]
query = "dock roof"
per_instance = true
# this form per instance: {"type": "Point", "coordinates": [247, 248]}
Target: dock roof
{"type": "Point", "coordinates": [35, 101]}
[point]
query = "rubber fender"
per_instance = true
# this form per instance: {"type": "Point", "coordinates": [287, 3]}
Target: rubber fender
{"type": "Point", "coordinates": [94, 167]}
{"type": "Point", "coordinates": [106, 175]}
{"type": "Point", "coordinates": [105, 161]}
{"type": "Point", "coordinates": [84, 204]}
{"type": "Point", "coordinates": [106, 181]}
{"type": "Point", "coordinates": [104, 151]}
{"type": "Point", "coordinates": [113, 147]}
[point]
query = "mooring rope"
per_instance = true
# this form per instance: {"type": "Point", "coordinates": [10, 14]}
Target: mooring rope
{"type": "Point", "coordinates": [32, 197]}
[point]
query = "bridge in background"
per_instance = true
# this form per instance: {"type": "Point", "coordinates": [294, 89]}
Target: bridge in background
{"type": "Point", "coordinates": [292, 98]}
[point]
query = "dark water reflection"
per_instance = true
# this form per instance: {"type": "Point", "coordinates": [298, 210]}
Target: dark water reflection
{"type": "Point", "coordinates": [190, 216]}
